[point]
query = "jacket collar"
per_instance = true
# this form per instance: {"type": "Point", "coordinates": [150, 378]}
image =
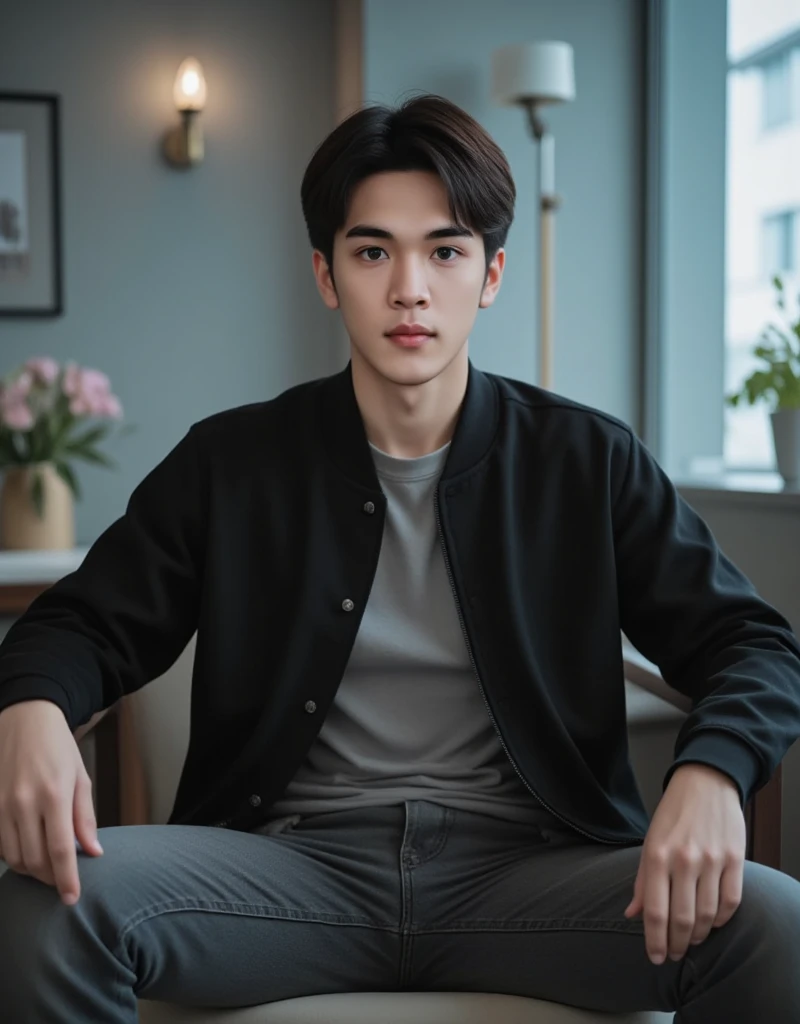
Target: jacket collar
{"type": "Point", "coordinates": [344, 436]}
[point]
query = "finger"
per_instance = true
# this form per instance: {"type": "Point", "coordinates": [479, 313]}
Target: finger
{"type": "Point", "coordinates": [33, 848]}
{"type": "Point", "coordinates": [63, 858]}
{"type": "Point", "coordinates": [636, 905]}
{"type": "Point", "coordinates": [9, 845]}
{"type": "Point", "coordinates": [83, 817]}
{"type": "Point", "coordinates": [707, 905]}
{"type": "Point", "coordinates": [656, 907]}
{"type": "Point", "coordinates": [683, 905]}
{"type": "Point", "coordinates": [730, 891]}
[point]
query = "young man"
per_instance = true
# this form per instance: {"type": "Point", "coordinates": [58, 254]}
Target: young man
{"type": "Point", "coordinates": [408, 583]}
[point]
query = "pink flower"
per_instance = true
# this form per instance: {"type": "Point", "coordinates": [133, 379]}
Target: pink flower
{"type": "Point", "coordinates": [71, 384]}
{"type": "Point", "coordinates": [17, 416]}
{"type": "Point", "coordinates": [90, 394]}
{"type": "Point", "coordinates": [112, 408]}
{"type": "Point", "coordinates": [14, 410]}
{"type": "Point", "coordinates": [94, 382]}
{"type": "Point", "coordinates": [44, 369]}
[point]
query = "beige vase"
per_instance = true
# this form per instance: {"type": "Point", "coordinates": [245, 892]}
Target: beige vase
{"type": "Point", "coordinates": [21, 527]}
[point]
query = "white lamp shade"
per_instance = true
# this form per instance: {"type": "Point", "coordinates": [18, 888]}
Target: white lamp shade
{"type": "Point", "coordinates": [541, 71]}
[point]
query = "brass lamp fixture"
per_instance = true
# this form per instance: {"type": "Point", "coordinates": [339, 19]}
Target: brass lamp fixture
{"type": "Point", "coordinates": [183, 145]}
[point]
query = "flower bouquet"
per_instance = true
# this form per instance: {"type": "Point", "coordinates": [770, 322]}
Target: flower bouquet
{"type": "Point", "coordinates": [48, 419]}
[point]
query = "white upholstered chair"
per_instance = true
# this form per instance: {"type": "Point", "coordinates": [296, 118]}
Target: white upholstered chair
{"type": "Point", "coordinates": [152, 730]}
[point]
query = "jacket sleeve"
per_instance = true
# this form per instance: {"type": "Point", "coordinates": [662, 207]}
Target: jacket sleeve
{"type": "Point", "coordinates": [693, 613]}
{"type": "Point", "coordinates": [123, 617]}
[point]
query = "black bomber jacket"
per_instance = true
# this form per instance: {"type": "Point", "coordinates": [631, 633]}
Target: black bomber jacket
{"type": "Point", "coordinates": [260, 531]}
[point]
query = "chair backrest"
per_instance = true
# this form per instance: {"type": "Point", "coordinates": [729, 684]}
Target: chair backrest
{"type": "Point", "coordinates": [161, 721]}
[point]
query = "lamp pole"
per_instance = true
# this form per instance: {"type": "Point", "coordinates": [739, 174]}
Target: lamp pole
{"type": "Point", "coordinates": [532, 75]}
{"type": "Point", "coordinates": [547, 206]}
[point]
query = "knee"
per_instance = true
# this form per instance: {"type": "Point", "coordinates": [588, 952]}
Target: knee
{"type": "Point", "coordinates": [32, 913]}
{"type": "Point", "coordinates": [769, 913]}
{"type": "Point", "coordinates": [26, 911]}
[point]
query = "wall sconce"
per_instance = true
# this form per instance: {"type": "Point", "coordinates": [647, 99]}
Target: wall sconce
{"type": "Point", "coordinates": [183, 145]}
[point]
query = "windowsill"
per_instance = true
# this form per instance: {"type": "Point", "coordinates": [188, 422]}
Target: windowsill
{"type": "Point", "coordinates": [739, 488]}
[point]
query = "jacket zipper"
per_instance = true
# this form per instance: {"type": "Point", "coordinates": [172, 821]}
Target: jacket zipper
{"type": "Point", "coordinates": [600, 839]}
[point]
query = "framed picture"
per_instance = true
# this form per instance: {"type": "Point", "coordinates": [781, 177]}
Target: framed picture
{"type": "Point", "coordinates": [30, 206]}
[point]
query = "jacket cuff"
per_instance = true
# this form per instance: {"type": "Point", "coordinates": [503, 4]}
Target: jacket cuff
{"type": "Point", "coordinates": [724, 751]}
{"type": "Point", "coordinates": [15, 691]}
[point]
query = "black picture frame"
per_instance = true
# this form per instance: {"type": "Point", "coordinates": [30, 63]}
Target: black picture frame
{"type": "Point", "coordinates": [31, 278]}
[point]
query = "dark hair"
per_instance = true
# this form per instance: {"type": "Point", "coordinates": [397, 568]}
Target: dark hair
{"type": "Point", "coordinates": [425, 133]}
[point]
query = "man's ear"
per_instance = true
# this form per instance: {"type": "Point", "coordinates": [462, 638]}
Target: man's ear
{"type": "Point", "coordinates": [324, 279]}
{"type": "Point", "coordinates": [494, 275]}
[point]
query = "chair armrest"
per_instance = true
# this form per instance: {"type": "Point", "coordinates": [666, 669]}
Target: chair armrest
{"type": "Point", "coordinates": [117, 772]}
{"type": "Point", "coordinates": [87, 727]}
{"type": "Point", "coordinates": [645, 674]}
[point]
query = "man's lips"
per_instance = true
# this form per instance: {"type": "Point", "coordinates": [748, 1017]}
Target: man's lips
{"type": "Point", "coordinates": [410, 340]}
{"type": "Point", "coordinates": [407, 340]}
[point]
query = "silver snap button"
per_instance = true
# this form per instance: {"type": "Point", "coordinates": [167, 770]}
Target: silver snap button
{"type": "Point", "coordinates": [348, 605]}
{"type": "Point", "coordinates": [311, 707]}
{"type": "Point", "coordinates": [369, 508]}
{"type": "Point", "coordinates": [255, 800]}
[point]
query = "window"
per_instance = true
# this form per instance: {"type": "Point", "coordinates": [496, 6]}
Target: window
{"type": "Point", "coordinates": [762, 219]}
{"type": "Point", "coordinates": [780, 250]}
{"type": "Point", "coordinates": [777, 90]}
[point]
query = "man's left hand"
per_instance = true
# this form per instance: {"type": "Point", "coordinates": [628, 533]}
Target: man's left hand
{"type": "Point", "coordinates": [692, 866]}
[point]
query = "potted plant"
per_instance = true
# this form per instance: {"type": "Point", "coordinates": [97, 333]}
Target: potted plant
{"type": "Point", "coordinates": [778, 384]}
{"type": "Point", "coordinates": [50, 416]}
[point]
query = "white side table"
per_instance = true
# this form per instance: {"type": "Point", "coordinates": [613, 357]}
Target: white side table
{"type": "Point", "coordinates": [25, 574]}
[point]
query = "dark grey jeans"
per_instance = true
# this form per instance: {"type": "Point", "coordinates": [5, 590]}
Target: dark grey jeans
{"type": "Point", "coordinates": [411, 896]}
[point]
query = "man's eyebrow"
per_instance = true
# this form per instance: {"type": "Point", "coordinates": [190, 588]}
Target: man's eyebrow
{"type": "Point", "coordinates": [369, 231]}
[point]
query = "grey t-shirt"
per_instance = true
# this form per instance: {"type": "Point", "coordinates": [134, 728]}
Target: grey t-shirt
{"type": "Point", "coordinates": [408, 721]}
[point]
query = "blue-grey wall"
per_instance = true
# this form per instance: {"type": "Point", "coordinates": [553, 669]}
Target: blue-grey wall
{"type": "Point", "coordinates": [192, 290]}
{"type": "Point", "coordinates": [446, 47]}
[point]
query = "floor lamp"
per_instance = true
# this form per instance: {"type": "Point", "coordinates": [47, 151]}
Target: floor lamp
{"type": "Point", "coordinates": [533, 75]}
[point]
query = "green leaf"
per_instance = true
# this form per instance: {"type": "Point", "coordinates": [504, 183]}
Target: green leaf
{"type": "Point", "coordinates": [89, 437]}
{"type": "Point", "coordinates": [64, 470]}
{"type": "Point", "coordinates": [91, 455]}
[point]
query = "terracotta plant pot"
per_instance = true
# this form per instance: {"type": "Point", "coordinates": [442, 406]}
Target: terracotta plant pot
{"type": "Point", "coordinates": [21, 527]}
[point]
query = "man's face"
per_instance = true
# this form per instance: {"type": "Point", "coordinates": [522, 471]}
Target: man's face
{"type": "Point", "coordinates": [390, 270]}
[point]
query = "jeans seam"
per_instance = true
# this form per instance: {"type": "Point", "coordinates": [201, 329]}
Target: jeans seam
{"type": "Point", "coordinates": [245, 910]}
{"type": "Point", "coordinates": [444, 833]}
{"type": "Point", "coordinates": [532, 925]}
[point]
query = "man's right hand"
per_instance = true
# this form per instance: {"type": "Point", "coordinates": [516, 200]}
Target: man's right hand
{"type": "Point", "coordinates": [45, 797]}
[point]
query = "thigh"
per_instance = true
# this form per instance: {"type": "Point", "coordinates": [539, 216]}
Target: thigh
{"type": "Point", "coordinates": [509, 909]}
{"type": "Point", "coordinates": [212, 917]}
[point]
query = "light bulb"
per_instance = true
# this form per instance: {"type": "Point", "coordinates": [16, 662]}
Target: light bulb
{"type": "Point", "coordinates": [190, 86]}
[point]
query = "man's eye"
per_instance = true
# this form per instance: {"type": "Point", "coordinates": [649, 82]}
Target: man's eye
{"type": "Point", "coordinates": [446, 248]}
{"type": "Point", "coordinates": [371, 252]}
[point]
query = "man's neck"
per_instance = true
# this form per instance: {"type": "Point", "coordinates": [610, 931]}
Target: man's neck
{"type": "Point", "coordinates": [408, 421]}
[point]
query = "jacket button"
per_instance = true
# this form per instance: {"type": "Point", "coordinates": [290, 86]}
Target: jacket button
{"type": "Point", "coordinates": [348, 605]}
{"type": "Point", "coordinates": [220, 824]}
{"type": "Point", "coordinates": [311, 707]}
{"type": "Point", "coordinates": [369, 507]}
{"type": "Point", "coordinates": [255, 800]}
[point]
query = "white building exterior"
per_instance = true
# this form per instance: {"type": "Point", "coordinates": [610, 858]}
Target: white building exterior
{"type": "Point", "coordinates": [763, 200]}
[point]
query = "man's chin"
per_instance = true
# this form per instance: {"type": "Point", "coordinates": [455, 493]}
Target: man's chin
{"type": "Point", "coordinates": [410, 369]}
